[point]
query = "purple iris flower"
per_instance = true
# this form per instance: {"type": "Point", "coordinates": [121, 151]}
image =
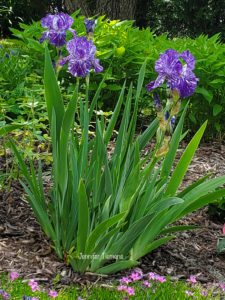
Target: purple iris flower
{"type": "Point", "coordinates": [177, 70]}
{"type": "Point", "coordinates": [81, 58]}
{"type": "Point", "coordinates": [90, 25]}
{"type": "Point", "coordinates": [56, 28]}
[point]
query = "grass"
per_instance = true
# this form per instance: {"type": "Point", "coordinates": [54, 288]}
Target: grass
{"type": "Point", "coordinates": [19, 289]}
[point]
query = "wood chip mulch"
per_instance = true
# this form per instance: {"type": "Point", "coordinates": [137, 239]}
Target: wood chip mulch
{"type": "Point", "coordinates": [24, 248]}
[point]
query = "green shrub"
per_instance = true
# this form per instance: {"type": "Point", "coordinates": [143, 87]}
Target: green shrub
{"type": "Point", "coordinates": [123, 48]}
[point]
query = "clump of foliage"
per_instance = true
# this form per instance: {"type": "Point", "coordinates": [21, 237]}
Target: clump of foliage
{"type": "Point", "coordinates": [104, 212]}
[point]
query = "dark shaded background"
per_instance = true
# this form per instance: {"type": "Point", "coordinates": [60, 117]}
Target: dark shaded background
{"type": "Point", "coordinates": [176, 17]}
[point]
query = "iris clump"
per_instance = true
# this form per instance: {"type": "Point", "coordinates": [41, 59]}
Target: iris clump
{"type": "Point", "coordinates": [177, 70]}
{"type": "Point", "coordinates": [56, 25]}
{"type": "Point", "coordinates": [81, 58]}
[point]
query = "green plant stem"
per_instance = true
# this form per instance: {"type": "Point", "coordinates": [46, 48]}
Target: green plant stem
{"type": "Point", "coordinates": [87, 89]}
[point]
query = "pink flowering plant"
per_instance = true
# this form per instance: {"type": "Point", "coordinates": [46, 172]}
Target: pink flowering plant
{"type": "Point", "coordinates": [136, 285]}
{"type": "Point", "coordinates": [106, 211]}
{"type": "Point", "coordinates": [154, 286]}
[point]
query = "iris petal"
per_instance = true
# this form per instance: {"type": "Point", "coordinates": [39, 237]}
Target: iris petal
{"type": "Point", "coordinates": [56, 28]}
{"type": "Point", "coordinates": [81, 59]}
{"type": "Point", "coordinates": [177, 75]}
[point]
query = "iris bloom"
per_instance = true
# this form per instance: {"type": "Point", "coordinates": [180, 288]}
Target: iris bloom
{"type": "Point", "coordinates": [177, 70]}
{"type": "Point", "coordinates": [81, 59]}
{"type": "Point", "coordinates": [89, 25]}
{"type": "Point", "coordinates": [56, 25]}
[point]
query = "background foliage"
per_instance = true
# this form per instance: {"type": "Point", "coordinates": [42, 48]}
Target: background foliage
{"type": "Point", "coordinates": [177, 17]}
{"type": "Point", "coordinates": [122, 49]}
{"type": "Point", "coordinates": [187, 17]}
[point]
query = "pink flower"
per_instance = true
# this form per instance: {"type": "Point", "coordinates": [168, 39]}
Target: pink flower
{"type": "Point", "coordinates": [147, 284]}
{"type": "Point", "coordinates": [122, 288]}
{"type": "Point", "coordinates": [160, 278]}
{"type": "Point", "coordinates": [130, 291]}
{"type": "Point", "coordinates": [13, 276]}
{"type": "Point", "coordinates": [125, 280]}
{"type": "Point", "coordinates": [223, 230]}
{"type": "Point", "coordinates": [152, 275]}
{"type": "Point", "coordinates": [188, 293]}
{"type": "Point", "coordinates": [204, 294]}
{"type": "Point", "coordinates": [53, 294]}
{"type": "Point", "coordinates": [34, 285]}
{"type": "Point", "coordinates": [34, 298]}
{"type": "Point", "coordinates": [192, 279]}
{"type": "Point", "coordinates": [222, 286]}
{"type": "Point", "coordinates": [4, 295]}
{"type": "Point", "coordinates": [135, 276]}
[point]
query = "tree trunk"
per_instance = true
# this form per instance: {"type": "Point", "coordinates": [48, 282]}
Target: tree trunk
{"type": "Point", "coordinates": [72, 5]}
{"type": "Point", "coordinates": [116, 9]}
{"type": "Point", "coordinates": [127, 9]}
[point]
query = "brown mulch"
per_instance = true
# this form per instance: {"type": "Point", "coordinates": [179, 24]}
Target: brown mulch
{"type": "Point", "coordinates": [24, 248]}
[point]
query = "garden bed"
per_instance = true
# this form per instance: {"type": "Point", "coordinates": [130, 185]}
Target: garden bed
{"type": "Point", "coordinates": [24, 248]}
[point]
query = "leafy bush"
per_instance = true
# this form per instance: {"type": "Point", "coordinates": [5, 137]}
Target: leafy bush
{"type": "Point", "coordinates": [123, 48]}
{"type": "Point", "coordinates": [105, 211]}
{"type": "Point", "coordinates": [15, 64]}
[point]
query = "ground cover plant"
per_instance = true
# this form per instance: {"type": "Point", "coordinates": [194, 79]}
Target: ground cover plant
{"type": "Point", "coordinates": [104, 212]}
{"type": "Point", "coordinates": [135, 286]}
